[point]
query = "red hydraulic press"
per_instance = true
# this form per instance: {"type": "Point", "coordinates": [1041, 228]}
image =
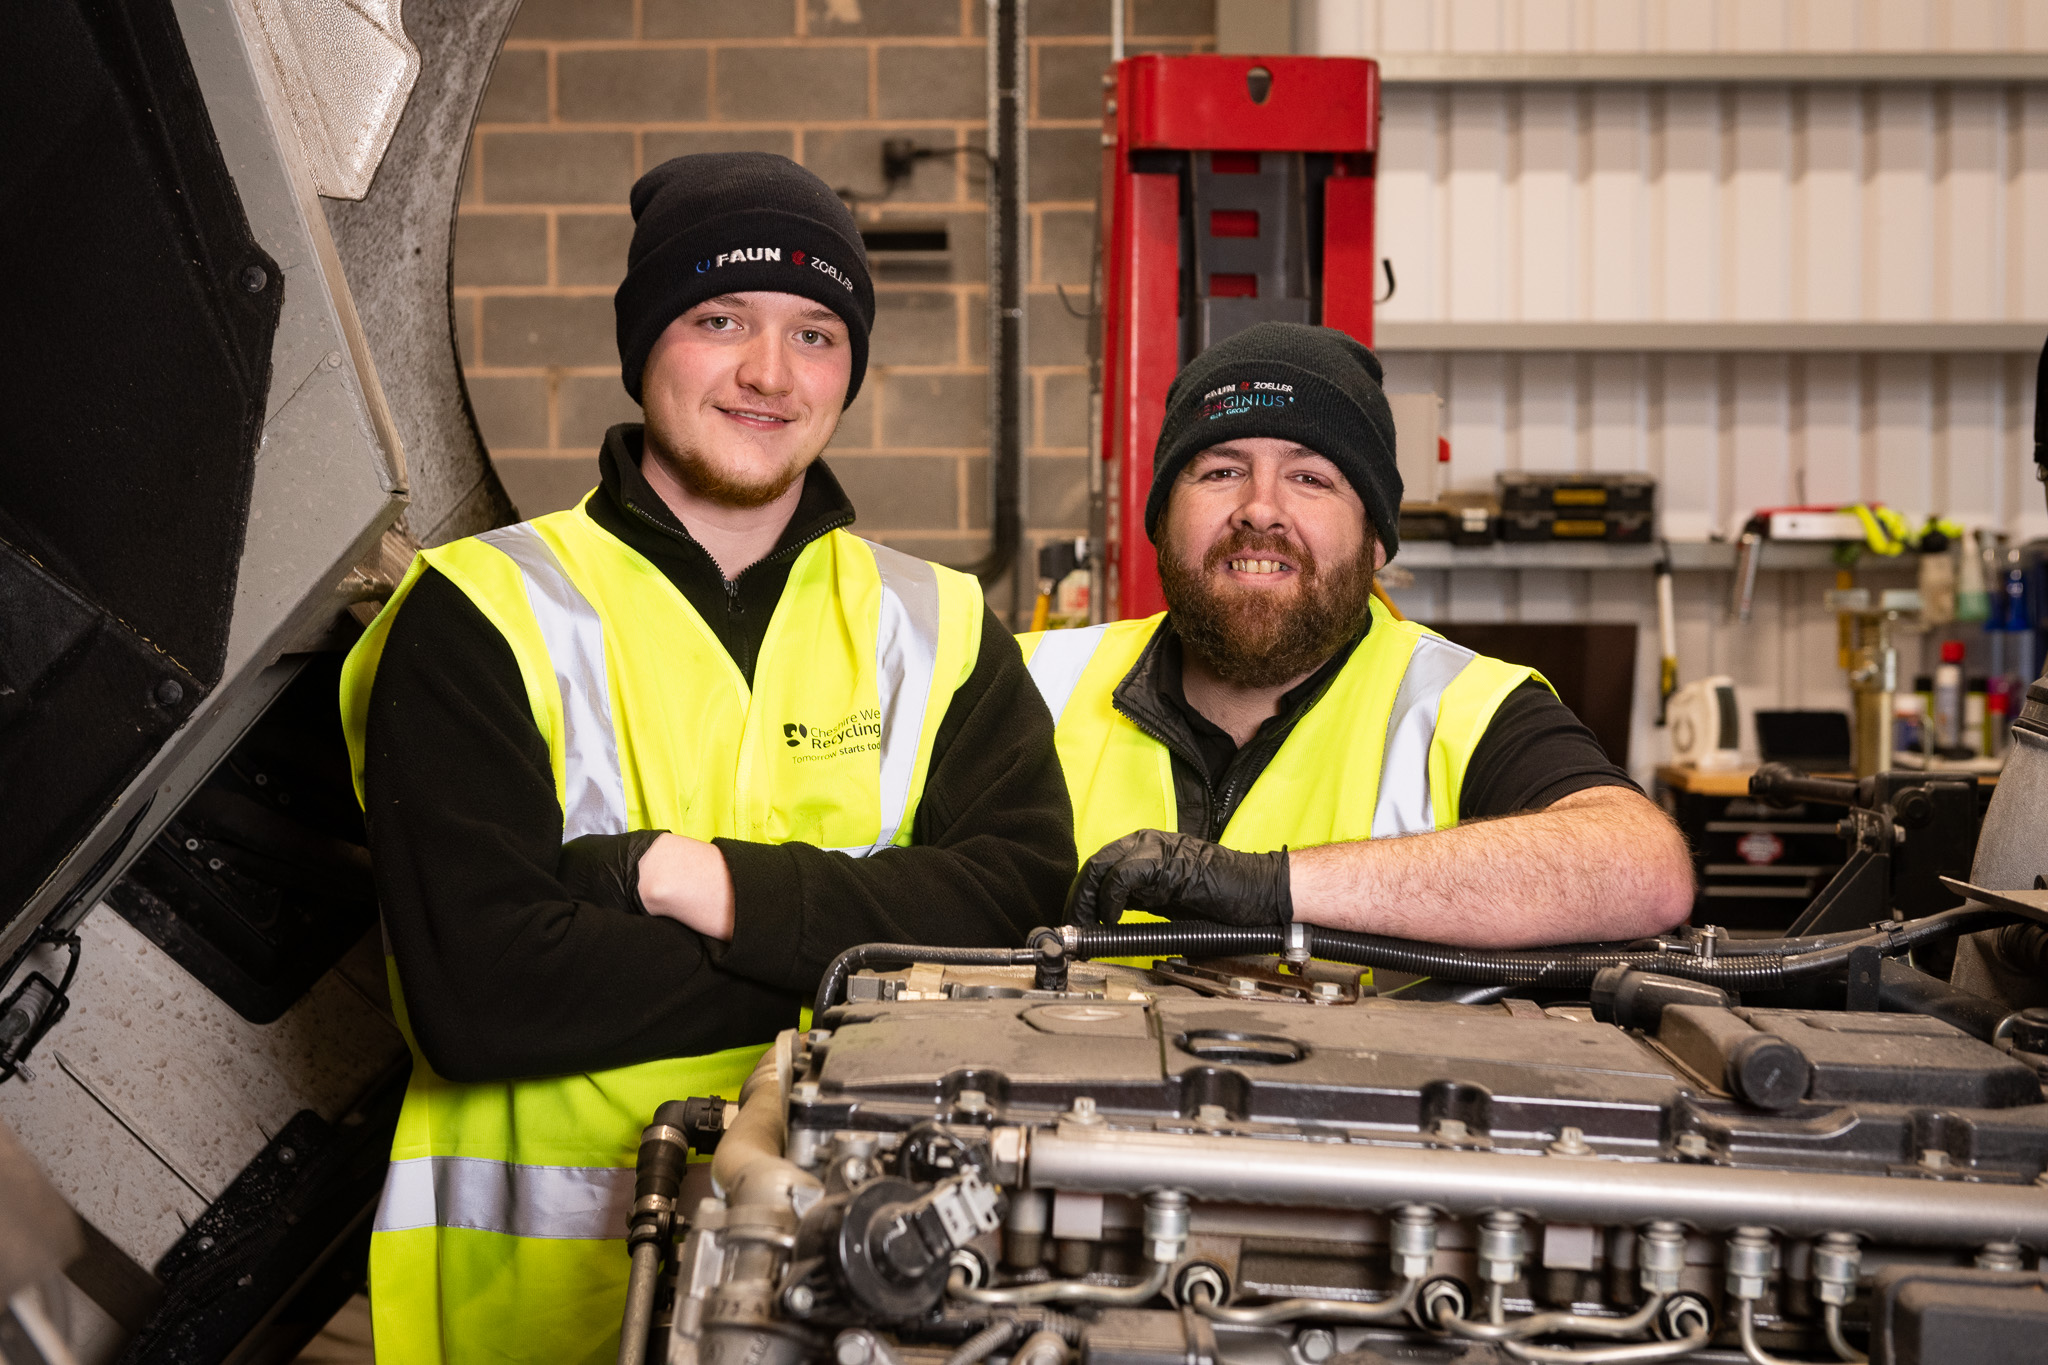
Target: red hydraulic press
{"type": "Point", "coordinates": [1235, 190]}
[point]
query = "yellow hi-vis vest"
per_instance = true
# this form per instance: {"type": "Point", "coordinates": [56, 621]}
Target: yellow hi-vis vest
{"type": "Point", "coordinates": [500, 1235]}
{"type": "Point", "coordinates": [1383, 752]}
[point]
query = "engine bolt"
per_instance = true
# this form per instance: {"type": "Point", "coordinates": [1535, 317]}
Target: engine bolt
{"type": "Point", "coordinates": [1326, 992]}
{"type": "Point", "coordinates": [1693, 1145]}
{"type": "Point", "coordinates": [1749, 1262]}
{"type": "Point", "coordinates": [2000, 1256]}
{"type": "Point", "coordinates": [799, 1299]}
{"type": "Point", "coordinates": [1660, 1257]}
{"type": "Point", "coordinates": [1837, 1257]}
{"type": "Point", "coordinates": [1571, 1142]}
{"type": "Point", "coordinates": [1243, 985]}
{"type": "Point", "coordinates": [1083, 1110]}
{"type": "Point", "coordinates": [1414, 1240]}
{"type": "Point", "coordinates": [1503, 1247]}
{"type": "Point", "coordinates": [853, 1348]}
{"type": "Point", "coordinates": [971, 1102]}
{"type": "Point", "coordinates": [1316, 1345]}
{"type": "Point", "coordinates": [1212, 1115]}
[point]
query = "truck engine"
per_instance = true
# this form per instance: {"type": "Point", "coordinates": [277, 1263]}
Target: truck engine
{"type": "Point", "coordinates": [1253, 1158]}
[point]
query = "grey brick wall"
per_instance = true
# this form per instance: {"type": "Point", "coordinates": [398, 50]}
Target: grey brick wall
{"type": "Point", "coordinates": [588, 94]}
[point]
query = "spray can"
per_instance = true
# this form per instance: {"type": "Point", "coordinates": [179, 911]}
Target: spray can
{"type": "Point", "coordinates": [1948, 697]}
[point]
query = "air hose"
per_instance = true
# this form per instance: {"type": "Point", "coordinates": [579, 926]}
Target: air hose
{"type": "Point", "coordinates": [1759, 964]}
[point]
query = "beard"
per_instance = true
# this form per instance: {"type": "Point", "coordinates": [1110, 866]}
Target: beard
{"type": "Point", "coordinates": [1254, 638]}
{"type": "Point", "coordinates": [704, 476]}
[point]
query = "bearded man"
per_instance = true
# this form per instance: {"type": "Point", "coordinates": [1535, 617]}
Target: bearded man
{"type": "Point", "coordinates": [1279, 746]}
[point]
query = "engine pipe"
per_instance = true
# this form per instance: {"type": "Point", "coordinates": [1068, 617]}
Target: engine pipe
{"type": "Point", "coordinates": [1468, 1184]}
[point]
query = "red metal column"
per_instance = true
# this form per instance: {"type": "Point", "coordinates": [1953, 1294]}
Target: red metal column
{"type": "Point", "coordinates": [1160, 108]}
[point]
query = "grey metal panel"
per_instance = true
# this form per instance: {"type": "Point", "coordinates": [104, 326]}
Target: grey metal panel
{"type": "Point", "coordinates": [330, 474]}
{"type": "Point", "coordinates": [395, 245]}
{"type": "Point", "coordinates": [1849, 338]}
{"type": "Point", "coordinates": [1754, 68]}
{"type": "Point", "coordinates": [152, 1094]}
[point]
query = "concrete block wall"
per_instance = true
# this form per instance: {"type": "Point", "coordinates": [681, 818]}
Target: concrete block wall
{"type": "Point", "coordinates": [588, 94]}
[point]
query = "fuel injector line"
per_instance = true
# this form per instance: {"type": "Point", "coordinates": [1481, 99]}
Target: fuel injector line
{"type": "Point", "coordinates": [1318, 1310]}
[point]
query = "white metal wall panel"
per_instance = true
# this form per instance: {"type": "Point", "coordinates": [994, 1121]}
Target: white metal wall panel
{"type": "Point", "coordinates": [1625, 203]}
{"type": "Point", "coordinates": [1887, 202]}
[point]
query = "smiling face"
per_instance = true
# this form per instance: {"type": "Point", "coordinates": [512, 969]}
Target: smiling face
{"type": "Point", "coordinates": [742, 392]}
{"type": "Point", "coordinates": [1266, 559]}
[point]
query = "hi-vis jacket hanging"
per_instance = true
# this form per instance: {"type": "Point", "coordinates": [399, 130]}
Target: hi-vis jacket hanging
{"type": "Point", "coordinates": [1383, 751]}
{"type": "Point", "coordinates": [501, 1231]}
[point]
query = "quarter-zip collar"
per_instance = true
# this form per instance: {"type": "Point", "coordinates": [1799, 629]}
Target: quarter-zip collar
{"type": "Point", "coordinates": [738, 609]}
{"type": "Point", "coordinates": [1151, 696]}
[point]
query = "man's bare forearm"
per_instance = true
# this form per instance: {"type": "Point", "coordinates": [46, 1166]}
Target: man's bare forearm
{"type": "Point", "coordinates": [1598, 864]}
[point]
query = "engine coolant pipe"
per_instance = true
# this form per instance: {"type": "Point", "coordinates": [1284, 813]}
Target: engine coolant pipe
{"type": "Point", "coordinates": [761, 1187]}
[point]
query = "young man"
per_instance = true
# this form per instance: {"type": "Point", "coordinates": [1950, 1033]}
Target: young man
{"type": "Point", "coordinates": [1245, 758]}
{"type": "Point", "coordinates": [637, 771]}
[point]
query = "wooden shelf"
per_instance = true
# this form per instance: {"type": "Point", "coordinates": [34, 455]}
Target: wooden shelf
{"type": "Point", "coordinates": [1687, 556]}
{"type": "Point", "coordinates": [1713, 68]}
{"type": "Point", "coordinates": [1947, 338]}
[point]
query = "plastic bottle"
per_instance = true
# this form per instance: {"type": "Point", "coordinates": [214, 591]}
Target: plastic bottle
{"type": "Point", "coordinates": [1948, 697]}
{"type": "Point", "coordinates": [1937, 580]}
{"type": "Point", "coordinates": [1973, 601]}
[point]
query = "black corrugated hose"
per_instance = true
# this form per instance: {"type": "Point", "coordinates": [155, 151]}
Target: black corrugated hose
{"type": "Point", "coordinates": [1753, 965]}
{"type": "Point", "coordinates": [1740, 964]}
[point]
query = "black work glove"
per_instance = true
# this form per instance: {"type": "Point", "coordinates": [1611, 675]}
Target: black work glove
{"type": "Point", "coordinates": [1181, 877]}
{"type": "Point", "coordinates": [605, 868]}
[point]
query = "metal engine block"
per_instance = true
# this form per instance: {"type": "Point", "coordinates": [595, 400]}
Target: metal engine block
{"type": "Point", "coordinates": [1199, 1165]}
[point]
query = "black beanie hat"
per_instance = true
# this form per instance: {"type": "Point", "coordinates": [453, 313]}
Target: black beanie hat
{"type": "Point", "coordinates": [1311, 385]}
{"type": "Point", "coordinates": [726, 222]}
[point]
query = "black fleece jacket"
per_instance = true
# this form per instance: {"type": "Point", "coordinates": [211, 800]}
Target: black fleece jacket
{"type": "Point", "coordinates": [505, 975]}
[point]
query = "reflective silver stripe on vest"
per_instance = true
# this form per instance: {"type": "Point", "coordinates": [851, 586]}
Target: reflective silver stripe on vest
{"type": "Point", "coordinates": [502, 1196]}
{"type": "Point", "coordinates": [906, 653]}
{"type": "Point", "coordinates": [1404, 805]}
{"type": "Point", "coordinates": [1059, 661]}
{"type": "Point", "coordinates": [593, 786]}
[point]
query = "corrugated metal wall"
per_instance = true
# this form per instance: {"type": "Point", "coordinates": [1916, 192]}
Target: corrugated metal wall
{"type": "Point", "coordinates": [1682, 206]}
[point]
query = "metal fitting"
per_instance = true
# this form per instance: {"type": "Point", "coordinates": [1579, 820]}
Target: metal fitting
{"type": "Point", "coordinates": [1837, 1259]}
{"type": "Point", "coordinates": [1166, 1225]}
{"type": "Point", "coordinates": [1296, 951]}
{"type": "Point", "coordinates": [1316, 1345]}
{"type": "Point", "coordinates": [1413, 1235]}
{"type": "Point", "coordinates": [1660, 1257]}
{"type": "Point", "coordinates": [1571, 1142]}
{"type": "Point", "coordinates": [1200, 1282]}
{"type": "Point", "coordinates": [1503, 1247]}
{"type": "Point", "coordinates": [1083, 1110]}
{"type": "Point", "coordinates": [2000, 1256]}
{"type": "Point", "coordinates": [1749, 1262]}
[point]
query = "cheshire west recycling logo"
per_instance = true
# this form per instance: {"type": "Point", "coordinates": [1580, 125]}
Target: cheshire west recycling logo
{"type": "Point", "coordinates": [857, 733]}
